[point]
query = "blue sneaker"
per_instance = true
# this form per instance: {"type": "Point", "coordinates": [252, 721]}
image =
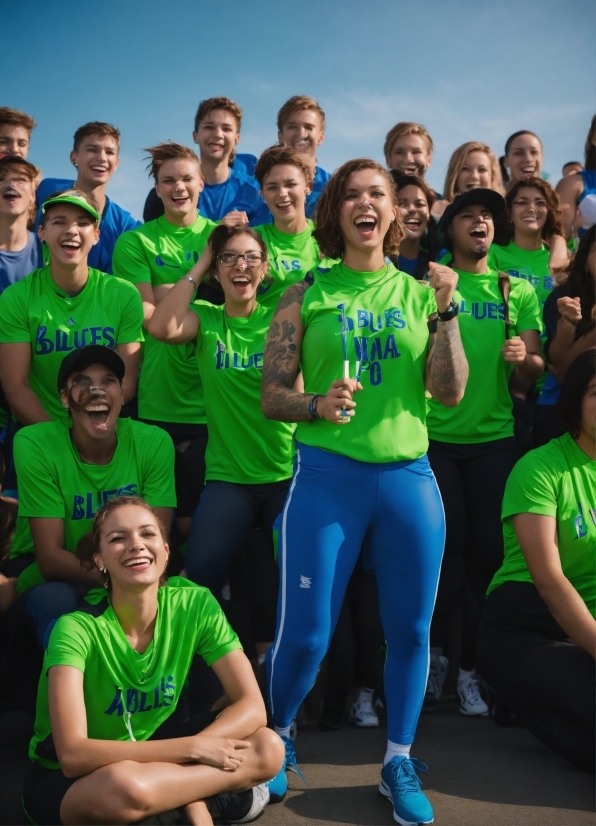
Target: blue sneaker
{"type": "Point", "coordinates": [278, 787]}
{"type": "Point", "coordinates": [400, 783]}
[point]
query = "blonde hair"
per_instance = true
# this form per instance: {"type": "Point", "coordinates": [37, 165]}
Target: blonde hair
{"type": "Point", "coordinates": [402, 128]}
{"type": "Point", "coordinates": [457, 162]}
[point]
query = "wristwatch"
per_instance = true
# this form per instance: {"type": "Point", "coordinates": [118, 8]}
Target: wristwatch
{"type": "Point", "coordinates": [451, 311]}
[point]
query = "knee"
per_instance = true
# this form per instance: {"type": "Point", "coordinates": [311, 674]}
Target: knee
{"type": "Point", "coordinates": [129, 793]}
{"type": "Point", "coordinates": [269, 754]}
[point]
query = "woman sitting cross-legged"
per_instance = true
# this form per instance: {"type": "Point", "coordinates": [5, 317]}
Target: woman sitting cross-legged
{"type": "Point", "coordinates": [112, 743]}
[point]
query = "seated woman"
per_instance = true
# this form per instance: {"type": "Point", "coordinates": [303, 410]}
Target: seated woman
{"type": "Point", "coordinates": [112, 742]}
{"type": "Point", "coordinates": [62, 307]}
{"type": "Point", "coordinates": [537, 641]}
{"type": "Point", "coordinates": [415, 200]}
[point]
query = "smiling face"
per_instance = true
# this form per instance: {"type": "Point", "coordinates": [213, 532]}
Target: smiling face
{"type": "Point", "coordinates": [241, 280]}
{"type": "Point", "coordinates": [14, 140]}
{"type": "Point", "coordinates": [472, 232]}
{"type": "Point", "coordinates": [132, 548]}
{"type": "Point", "coordinates": [94, 396]}
{"type": "Point", "coordinates": [303, 132]}
{"type": "Point", "coordinates": [524, 157]}
{"type": "Point", "coordinates": [366, 210]}
{"type": "Point", "coordinates": [217, 135]}
{"type": "Point", "coordinates": [17, 193]}
{"type": "Point", "coordinates": [475, 172]}
{"type": "Point", "coordinates": [96, 159]}
{"type": "Point", "coordinates": [179, 184]}
{"type": "Point", "coordinates": [285, 190]}
{"type": "Point", "coordinates": [529, 210]}
{"type": "Point", "coordinates": [69, 232]}
{"type": "Point", "coordinates": [413, 210]}
{"type": "Point", "coordinates": [410, 155]}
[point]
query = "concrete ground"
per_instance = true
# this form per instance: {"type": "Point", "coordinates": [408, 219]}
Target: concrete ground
{"type": "Point", "coordinates": [479, 775]}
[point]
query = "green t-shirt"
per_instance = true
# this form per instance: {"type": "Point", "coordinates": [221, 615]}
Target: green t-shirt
{"type": "Point", "coordinates": [485, 412]}
{"type": "Point", "coordinates": [557, 480]}
{"type": "Point", "coordinates": [290, 258]}
{"type": "Point", "coordinates": [126, 691]}
{"type": "Point", "coordinates": [386, 315]}
{"type": "Point", "coordinates": [35, 310]}
{"type": "Point", "coordinates": [244, 447]}
{"type": "Point", "coordinates": [55, 483]}
{"type": "Point", "coordinates": [155, 253]}
{"type": "Point", "coordinates": [531, 265]}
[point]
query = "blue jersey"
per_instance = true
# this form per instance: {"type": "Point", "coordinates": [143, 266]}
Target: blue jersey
{"type": "Point", "coordinates": [16, 265]}
{"type": "Point", "coordinates": [245, 163]}
{"type": "Point", "coordinates": [264, 216]}
{"type": "Point", "coordinates": [239, 192]}
{"type": "Point", "coordinates": [589, 178]}
{"type": "Point", "coordinates": [114, 221]}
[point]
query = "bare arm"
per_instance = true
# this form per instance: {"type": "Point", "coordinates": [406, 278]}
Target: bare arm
{"type": "Point", "coordinates": [446, 364]}
{"type": "Point", "coordinates": [558, 257]}
{"type": "Point", "coordinates": [15, 365]}
{"type": "Point", "coordinates": [537, 536]}
{"type": "Point", "coordinates": [54, 561]}
{"type": "Point", "coordinates": [569, 190]}
{"type": "Point", "coordinates": [149, 301]}
{"type": "Point", "coordinates": [172, 321]}
{"type": "Point", "coordinates": [131, 356]}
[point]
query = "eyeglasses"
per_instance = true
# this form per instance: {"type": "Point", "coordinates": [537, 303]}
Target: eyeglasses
{"type": "Point", "coordinates": [230, 259]}
{"type": "Point", "coordinates": [84, 383]}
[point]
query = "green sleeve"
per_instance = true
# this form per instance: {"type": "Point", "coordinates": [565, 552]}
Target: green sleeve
{"type": "Point", "coordinates": [14, 319]}
{"type": "Point", "coordinates": [69, 644]}
{"type": "Point", "coordinates": [530, 488]}
{"type": "Point", "coordinates": [159, 488]}
{"type": "Point", "coordinates": [129, 260]}
{"type": "Point", "coordinates": [39, 495]}
{"type": "Point", "coordinates": [529, 316]}
{"type": "Point", "coordinates": [215, 637]}
{"type": "Point", "coordinates": [132, 315]}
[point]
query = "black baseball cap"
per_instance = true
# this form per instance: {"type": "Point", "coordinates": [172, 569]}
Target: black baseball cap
{"type": "Point", "coordinates": [488, 198]}
{"type": "Point", "coordinates": [91, 354]}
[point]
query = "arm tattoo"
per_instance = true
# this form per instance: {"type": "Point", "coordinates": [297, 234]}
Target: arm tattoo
{"type": "Point", "coordinates": [447, 366]}
{"type": "Point", "coordinates": [279, 400]}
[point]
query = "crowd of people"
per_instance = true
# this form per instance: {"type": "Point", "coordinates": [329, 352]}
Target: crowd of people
{"type": "Point", "coordinates": [292, 418]}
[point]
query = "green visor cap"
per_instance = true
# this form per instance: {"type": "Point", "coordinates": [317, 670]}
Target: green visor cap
{"type": "Point", "coordinates": [77, 200]}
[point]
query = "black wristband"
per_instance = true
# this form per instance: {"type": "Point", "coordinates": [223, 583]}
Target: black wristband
{"type": "Point", "coordinates": [451, 311]}
{"type": "Point", "coordinates": [312, 406]}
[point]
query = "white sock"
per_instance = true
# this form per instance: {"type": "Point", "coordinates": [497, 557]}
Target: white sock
{"type": "Point", "coordinates": [394, 749]}
{"type": "Point", "coordinates": [283, 731]}
{"type": "Point", "coordinates": [464, 676]}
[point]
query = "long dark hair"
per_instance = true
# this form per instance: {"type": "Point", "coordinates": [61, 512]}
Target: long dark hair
{"type": "Point", "coordinates": [580, 283]}
{"type": "Point", "coordinates": [580, 373]}
{"type": "Point", "coordinates": [430, 243]}
{"type": "Point", "coordinates": [504, 229]}
{"type": "Point", "coordinates": [590, 150]}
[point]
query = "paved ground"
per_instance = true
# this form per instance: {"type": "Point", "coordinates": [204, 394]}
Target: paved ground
{"type": "Point", "coordinates": [480, 775]}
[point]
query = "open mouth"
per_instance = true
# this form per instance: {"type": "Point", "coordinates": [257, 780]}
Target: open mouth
{"type": "Point", "coordinates": [241, 281]}
{"type": "Point", "coordinates": [11, 197]}
{"type": "Point", "coordinates": [98, 414]}
{"type": "Point", "coordinates": [528, 170]}
{"type": "Point", "coordinates": [137, 563]}
{"type": "Point", "coordinates": [99, 169]}
{"type": "Point", "coordinates": [365, 225]}
{"type": "Point", "coordinates": [285, 205]}
{"type": "Point", "coordinates": [179, 201]}
{"type": "Point", "coordinates": [412, 224]}
{"type": "Point", "coordinates": [70, 246]}
{"type": "Point", "coordinates": [481, 234]}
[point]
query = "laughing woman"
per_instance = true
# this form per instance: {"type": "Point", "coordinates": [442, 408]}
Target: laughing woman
{"type": "Point", "coordinates": [415, 200]}
{"type": "Point", "coordinates": [361, 470]}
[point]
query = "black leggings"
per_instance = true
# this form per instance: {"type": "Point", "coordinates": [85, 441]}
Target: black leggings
{"type": "Point", "coordinates": [538, 672]}
{"type": "Point", "coordinates": [471, 479]}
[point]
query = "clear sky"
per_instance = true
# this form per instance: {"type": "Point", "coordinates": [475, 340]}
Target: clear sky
{"type": "Point", "coordinates": [466, 70]}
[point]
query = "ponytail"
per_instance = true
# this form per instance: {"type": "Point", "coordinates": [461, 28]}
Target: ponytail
{"type": "Point", "coordinates": [504, 172]}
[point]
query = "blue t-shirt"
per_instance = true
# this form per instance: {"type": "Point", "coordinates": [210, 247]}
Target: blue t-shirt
{"type": "Point", "coordinates": [239, 192]}
{"type": "Point", "coordinates": [114, 222]}
{"type": "Point", "coordinates": [589, 178]}
{"type": "Point", "coordinates": [16, 265]}
{"type": "Point", "coordinates": [245, 163]}
{"type": "Point", "coordinates": [264, 216]}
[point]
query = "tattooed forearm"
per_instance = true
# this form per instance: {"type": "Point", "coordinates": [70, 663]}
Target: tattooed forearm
{"type": "Point", "coordinates": [282, 361]}
{"type": "Point", "coordinates": [447, 366]}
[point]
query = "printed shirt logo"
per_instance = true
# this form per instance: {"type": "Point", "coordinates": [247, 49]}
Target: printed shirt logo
{"type": "Point", "coordinates": [370, 349]}
{"type": "Point", "coordinates": [86, 505]}
{"type": "Point", "coordinates": [60, 341]}
{"type": "Point", "coordinates": [71, 321]}
{"type": "Point", "coordinates": [581, 529]}
{"type": "Point", "coordinates": [189, 256]}
{"type": "Point", "coordinates": [225, 360]}
{"type": "Point", "coordinates": [135, 702]}
{"type": "Point", "coordinates": [305, 581]}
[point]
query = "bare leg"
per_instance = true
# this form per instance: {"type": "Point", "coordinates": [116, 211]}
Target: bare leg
{"type": "Point", "coordinates": [129, 791]}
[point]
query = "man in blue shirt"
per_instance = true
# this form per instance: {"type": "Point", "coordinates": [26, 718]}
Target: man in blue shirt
{"type": "Point", "coordinates": [227, 188]}
{"type": "Point", "coordinates": [20, 250]}
{"type": "Point", "coordinates": [301, 127]}
{"type": "Point", "coordinates": [95, 157]}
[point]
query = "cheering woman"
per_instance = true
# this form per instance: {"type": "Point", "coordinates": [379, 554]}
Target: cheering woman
{"type": "Point", "coordinates": [361, 467]}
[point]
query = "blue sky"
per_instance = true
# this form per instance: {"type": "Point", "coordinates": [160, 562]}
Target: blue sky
{"type": "Point", "coordinates": [467, 70]}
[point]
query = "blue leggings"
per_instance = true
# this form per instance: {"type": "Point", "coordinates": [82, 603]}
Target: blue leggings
{"type": "Point", "coordinates": [334, 503]}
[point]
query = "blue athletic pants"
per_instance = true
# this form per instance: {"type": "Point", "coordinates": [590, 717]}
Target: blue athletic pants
{"type": "Point", "coordinates": [334, 503]}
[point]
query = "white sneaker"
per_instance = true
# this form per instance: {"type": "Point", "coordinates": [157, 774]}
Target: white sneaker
{"type": "Point", "coordinates": [437, 674]}
{"type": "Point", "coordinates": [470, 700]}
{"type": "Point", "coordinates": [362, 713]}
{"type": "Point", "coordinates": [241, 807]}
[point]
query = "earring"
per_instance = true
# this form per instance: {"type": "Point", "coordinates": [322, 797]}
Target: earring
{"type": "Point", "coordinates": [66, 407]}
{"type": "Point", "coordinates": [104, 571]}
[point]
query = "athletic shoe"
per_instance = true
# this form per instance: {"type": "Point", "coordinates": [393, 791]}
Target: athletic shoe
{"type": "Point", "coordinates": [400, 784]}
{"type": "Point", "coordinates": [470, 700]}
{"type": "Point", "coordinates": [362, 713]}
{"type": "Point", "coordinates": [437, 674]}
{"type": "Point", "coordinates": [278, 787]}
{"type": "Point", "coordinates": [241, 807]}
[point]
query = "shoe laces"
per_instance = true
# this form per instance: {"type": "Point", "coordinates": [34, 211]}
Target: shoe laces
{"type": "Point", "coordinates": [404, 774]}
{"type": "Point", "coordinates": [472, 690]}
{"type": "Point", "coordinates": [365, 704]}
{"type": "Point", "coordinates": [291, 763]}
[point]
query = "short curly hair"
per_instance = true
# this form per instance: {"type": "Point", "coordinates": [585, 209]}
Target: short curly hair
{"type": "Point", "coordinates": [327, 232]}
{"type": "Point", "coordinates": [276, 156]}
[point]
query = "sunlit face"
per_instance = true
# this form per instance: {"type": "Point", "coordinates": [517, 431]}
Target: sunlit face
{"type": "Point", "coordinates": [366, 210]}
{"type": "Point", "coordinates": [132, 548]}
{"type": "Point", "coordinates": [96, 159]}
{"type": "Point", "coordinates": [17, 193]}
{"type": "Point", "coordinates": [179, 184]}
{"type": "Point", "coordinates": [410, 155]}
{"type": "Point", "coordinates": [475, 172]}
{"type": "Point", "coordinates": [588, 414]}
{"type": "Point", "coordinates": [240, 281]}
{"type": "Point", "coordinates": [524, 157]}
{"type": "Point", "coordinates": [94, 397]}
{"type": "Point", "coordinates": [529, 210]}
{"type": "Point", "coordinates": [303, 132]}
{"type": "Point", "coordinates": [217, 135]}
{"type": "Point", "coordinates": [414, 211]}
{"type": "Point", "coordinates": [472, 231]}
{"type": "Point", "coordinates": [285, 190]}
{"type": "Point", "coordinates": [14, 140]}
{"type": "Point", "coordinates": [69, 232]}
